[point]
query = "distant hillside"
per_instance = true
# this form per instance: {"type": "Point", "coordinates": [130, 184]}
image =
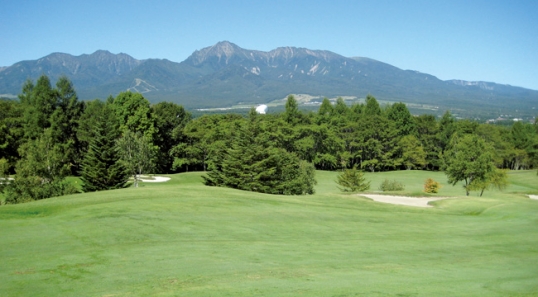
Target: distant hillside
{"type": "Point", "coordinates": [225, 74]}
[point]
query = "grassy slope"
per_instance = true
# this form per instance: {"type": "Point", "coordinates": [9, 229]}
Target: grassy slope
{"type": "Point", "coordinates": [183, 239]}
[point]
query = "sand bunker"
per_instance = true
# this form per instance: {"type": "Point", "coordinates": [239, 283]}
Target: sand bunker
{"type": "Point", "coordinates": [402, 200]}
{"type": "Point", "coordinates": [535, 197]}
{"type": "Point", "coordinates": [5, 180]}
{"type": "Point", "coordinates": [156, 179]}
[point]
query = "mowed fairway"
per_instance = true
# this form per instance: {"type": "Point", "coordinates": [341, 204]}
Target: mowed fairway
{"type": "Point", "coordinates": [181, 238]}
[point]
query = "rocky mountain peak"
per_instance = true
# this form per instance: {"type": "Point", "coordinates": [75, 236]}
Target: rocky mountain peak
{"type": "Point", "coordinates": [289, 53]}
{"type": "Point", "coordinates": [225, 53]}
{"type": "Point", "coordinates": [222, 51]}
{"type": "Point", "coordinates": [101, 53]}
{"type": "Point", "coordinates": [102, 56]}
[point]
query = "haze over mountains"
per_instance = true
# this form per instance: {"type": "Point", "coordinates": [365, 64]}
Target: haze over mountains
{"type": "Point", "coordinates": [225, 74]}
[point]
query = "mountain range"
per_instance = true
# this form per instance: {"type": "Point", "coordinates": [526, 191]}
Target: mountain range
{"type": "Point", "coordinates": [225, 74]}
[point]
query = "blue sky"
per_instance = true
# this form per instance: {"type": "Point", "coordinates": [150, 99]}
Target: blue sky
{"type": "Point", "coordinates": [472, 40]}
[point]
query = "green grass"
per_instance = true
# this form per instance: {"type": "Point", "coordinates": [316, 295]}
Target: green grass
{"type": "Point", "coordinates": [181, 238]}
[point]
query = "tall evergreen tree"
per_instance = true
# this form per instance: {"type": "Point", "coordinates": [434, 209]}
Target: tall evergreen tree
{"type": "Point", "coordinates": [340, 113]}
{"type": "Point", "coordinates": [324, 112]}
{"type": "Point", "coordinates": [11, 130]}
{"type": "Point", "coordinates": [39, 102]}
{"type": "Point", "coordinates": [252, 164]}
{"type": "Point", "coordinates": [401, 119]}
{"type": "Point", "coordinates": [372, 106]}
{"type": "Point", "coordinates": [375, 144]}
{"type": "Point", "coordinates": [292, 115]}
{"type": "Point", "coordinates": [101, 166]}
{"type": "Point", "coordinates": [356, 111]}
{"type": "Point", "coordinates": [65, 121]}
{"type": "Point", "coordinates": [446, 129]}
{"type": "Point", "coordinates": [427, 129]}
{"type": "Point", "coordinates": [204, 140]}
{"type": "Point", "coordinates": [340, 108]}
{"type": "Point", "coordinates": [87, 121]}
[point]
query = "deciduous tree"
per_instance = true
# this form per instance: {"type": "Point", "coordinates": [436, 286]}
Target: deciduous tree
{"type": "Point", "coordinates": [170, 120]}
{"type": "Point", "coordinates": [134, 113]}
{"type": "Point", "coordinates": [136, 153]}
{"type": "Point", "coordinates": [468, 159]}
{"type": "Point", "coordinates": [496, 179]}
{"type": "Point", "coordinates": [40, 173]}
{"type": "Point", "coordinates": [412, 152]}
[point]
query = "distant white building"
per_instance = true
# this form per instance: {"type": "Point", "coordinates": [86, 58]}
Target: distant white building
{"type": "Point", "coordinates": [262, 109]}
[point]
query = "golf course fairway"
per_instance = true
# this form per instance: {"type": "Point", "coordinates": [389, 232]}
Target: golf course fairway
{"type": "Point", "coordinates": [181, 238]}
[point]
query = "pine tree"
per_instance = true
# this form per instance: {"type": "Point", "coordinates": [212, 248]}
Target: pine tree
{"type": "Point", "coordinates": [372, 106]}
{"type": "Point", "coordinates": [101, 167]}
{"type": "Point", "coordinates": [39, 103]}
{"type": "Point", "coordinates": [401, 118]}
{"type": "Point", "coordinates": [324, 112]}
{"type": "Point", "coordinates": [252, 164]}
{"type": "Point", "coordinates": [237, 169]}
{"type": "Point", "coordinates": [65, 121]}
{"type": "Point", "coordinates": [352, 180]}
{"type": "Point", "coordinates": [292, 115]}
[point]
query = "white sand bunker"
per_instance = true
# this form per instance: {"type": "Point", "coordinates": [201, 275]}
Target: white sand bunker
{"type": "Point", "coordinates": [402, 200]}
{"type": "Point", "coordinates": [535, 197]}
{"type": "Point", "coordinates": [155, 179]}
{"type": "Point", "coordinates": [5, 180]}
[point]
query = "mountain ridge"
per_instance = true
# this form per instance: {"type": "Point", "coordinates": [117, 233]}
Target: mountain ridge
{"type": "Point", "coordinates": [224, 74]}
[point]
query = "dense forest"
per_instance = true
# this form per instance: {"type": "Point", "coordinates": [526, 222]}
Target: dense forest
{"type": "Point", "coordinates": [49, 134]}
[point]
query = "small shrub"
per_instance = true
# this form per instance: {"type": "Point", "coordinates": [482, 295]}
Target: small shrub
{"type": "Point", "coordinates": [431, 186]}
{"type": "Point", "coordinates": [25, 189]}
{"type": "Point", "coordinates": [352, 180]}
{"type": "Point", "coordinates": [391, 185]}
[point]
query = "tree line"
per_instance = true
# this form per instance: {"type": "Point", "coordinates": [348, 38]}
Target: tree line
{"type": "Point", "coordinates": [48, 134]}
{"type": "Point", "coordinates": [368, 136]}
